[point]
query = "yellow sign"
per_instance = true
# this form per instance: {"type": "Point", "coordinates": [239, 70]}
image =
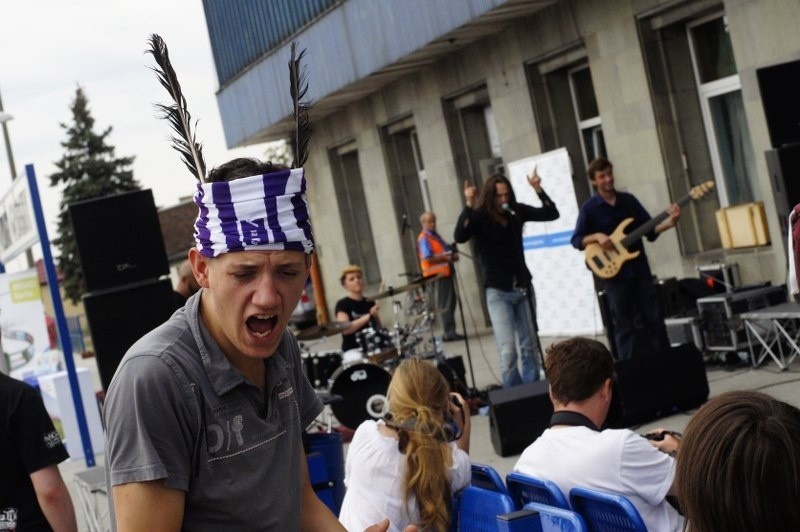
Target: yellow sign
{"type": "Point", "coordinates": [24, 290]}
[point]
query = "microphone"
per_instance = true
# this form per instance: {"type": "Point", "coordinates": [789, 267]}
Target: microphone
{"type": "Point", "coordinates": [508, 209]}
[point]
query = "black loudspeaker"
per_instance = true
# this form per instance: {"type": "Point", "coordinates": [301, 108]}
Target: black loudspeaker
{"type": "Point", "coordinates": [780, 101]}
{"type": "Point", "coordinates": [454, 372]}
{"type": "Point", "coordinates": [783, 165]}
{"type": "Point", "coordinates": [518, 415]}
{"type": "Point", "coordinates": [119, 317]}
{"type": "Point", "coordinates": [650, 387]}
{"type": "Point", "coordinates": [119, 239]}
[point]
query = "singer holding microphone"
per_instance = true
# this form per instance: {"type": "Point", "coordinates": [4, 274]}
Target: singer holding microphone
{"type": "Point", "coordinates": [495, 220]}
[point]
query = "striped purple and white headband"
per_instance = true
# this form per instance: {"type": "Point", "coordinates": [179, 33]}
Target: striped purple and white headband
{"type": "Point", "coordinates": [266, 212]}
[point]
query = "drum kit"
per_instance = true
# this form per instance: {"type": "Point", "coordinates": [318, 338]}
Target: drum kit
{"type": "Point", "coordinates": [354, 383]}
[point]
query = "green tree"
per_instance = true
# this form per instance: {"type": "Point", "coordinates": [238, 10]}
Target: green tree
{"type": "Point", "coordinates": [88, 169]}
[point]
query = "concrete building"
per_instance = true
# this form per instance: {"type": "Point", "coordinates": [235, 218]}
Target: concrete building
{"type": "Point", "coordinates": [414, 97]}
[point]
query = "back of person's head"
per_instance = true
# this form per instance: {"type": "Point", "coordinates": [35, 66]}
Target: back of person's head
{"type": "Point", "coordinates": [350, 268]}
{"type": "Point", "coordinates": [419, 399]}
{"type": "Point", "coordinates": [577, 368]}
{"type": "Point", "coordinates": [242, 167]}
{"type": "Point", "coordinates": [599, 164]}
{"type": "Point", "coordinates": [738, 468]}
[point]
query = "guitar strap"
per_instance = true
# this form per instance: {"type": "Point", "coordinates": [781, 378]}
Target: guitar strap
{"type": "Point", "coordinates": [574, 419]}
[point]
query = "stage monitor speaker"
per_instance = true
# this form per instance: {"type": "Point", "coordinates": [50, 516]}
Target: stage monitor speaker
{"type": "Point", "coordinates": [119, 317]}
{"type": "Point", "coordinates": [651, 387]}
{"type": "Point", "coordinates": [518, 415]}
{"type": "Point", "coordinates": [780, 101]}
{"type": "Point", "coordinates": [119, 239]}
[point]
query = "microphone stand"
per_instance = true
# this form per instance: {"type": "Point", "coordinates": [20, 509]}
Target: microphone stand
{"type": "Point", "coordinates": [473, 392]}
{"type": "Point", "coordinates": [412, 240]}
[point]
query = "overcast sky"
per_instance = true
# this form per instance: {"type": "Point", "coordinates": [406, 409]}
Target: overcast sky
{"type": "Point", "coordinates": [49, 47]}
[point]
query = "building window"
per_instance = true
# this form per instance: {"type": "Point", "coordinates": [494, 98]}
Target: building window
{"type": "Point", "coordinates": [354, 212]}
{"type": "Point", "coordinates": [587, 116]}
{"type": "Point", "coordinates": [473, 136]}
{"type": "Point", "coordinates": [407, 184]}
{"type": "Point", "coordinates": [567, 115]}
{"type": "Point", "coordinates": [700, 119]}
{"type": "Point", "coordinates": [720, 93]}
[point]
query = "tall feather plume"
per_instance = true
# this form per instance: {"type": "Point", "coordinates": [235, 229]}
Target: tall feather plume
{"type": "Point", "coordinates": [298, 79]}
{"type": "Point", "coordinates": [177, 113]}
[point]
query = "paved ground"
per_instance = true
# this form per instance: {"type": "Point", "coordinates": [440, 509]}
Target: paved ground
{"type": "Point", "coordinates": [768, 378]}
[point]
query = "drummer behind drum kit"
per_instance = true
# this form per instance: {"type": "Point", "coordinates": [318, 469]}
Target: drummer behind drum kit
{"type": "Point", "coordinates": [355, 382]}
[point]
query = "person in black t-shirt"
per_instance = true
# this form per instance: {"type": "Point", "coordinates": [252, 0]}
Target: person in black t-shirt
{"type": "Point", "coordinates": [354, 309]}
{"type": "Point", "coordinates": [33, 495]}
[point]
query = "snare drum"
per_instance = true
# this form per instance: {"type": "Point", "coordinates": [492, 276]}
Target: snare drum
{"type": "Point", "coordinates": [320, 366]}
{"type": "Point", "coordinates": [362, 387]}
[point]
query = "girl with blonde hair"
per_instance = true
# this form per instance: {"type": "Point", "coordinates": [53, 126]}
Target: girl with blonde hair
{"type": "Point", "coordinates": [408, 465]}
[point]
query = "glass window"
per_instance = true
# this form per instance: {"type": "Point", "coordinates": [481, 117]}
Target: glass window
{"type": "Point", "coordinates": [713, 50]}
{"type": "Point", "coordinates": [583, 91]}
{"type": "Point", "coordinates": [733, 145]}
{"type": "Point", "coordinates": [594, 142]}
{"type": "Point", "coordinates": [719, 89]}
{"type": "Point", "coordinates": [586, 113]}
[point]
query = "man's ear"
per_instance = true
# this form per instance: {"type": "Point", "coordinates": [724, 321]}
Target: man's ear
{"type": "Point", "coordinates": [607, 387]}
{"type": "Point", "coordinates": [199, 267]}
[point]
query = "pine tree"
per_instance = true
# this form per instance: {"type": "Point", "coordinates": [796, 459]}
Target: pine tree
{"type": "Point", "coordinates": [87, 170]}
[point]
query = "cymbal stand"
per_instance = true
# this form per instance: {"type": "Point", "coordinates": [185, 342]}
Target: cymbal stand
{"type": "Point", "coordinates": [397, 340]}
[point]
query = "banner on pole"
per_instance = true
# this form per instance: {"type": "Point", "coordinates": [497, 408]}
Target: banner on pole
{"type": "Point", "coordinates": [17, 222]}
{"type": "Point", "coordinates": [26, 344]}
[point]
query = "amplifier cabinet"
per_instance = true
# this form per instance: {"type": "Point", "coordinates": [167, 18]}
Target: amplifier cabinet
{"type": "Point", "coordinates": [684, 331]}
{"type": "Point", "coordinates": [719, 315]}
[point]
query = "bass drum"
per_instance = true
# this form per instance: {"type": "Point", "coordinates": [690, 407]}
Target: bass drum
{"type": "Point", "coordinates": [362, 387]}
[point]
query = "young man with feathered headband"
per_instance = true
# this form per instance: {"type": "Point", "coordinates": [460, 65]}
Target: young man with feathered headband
{"type": "Point", "coordinates": [205, 414]}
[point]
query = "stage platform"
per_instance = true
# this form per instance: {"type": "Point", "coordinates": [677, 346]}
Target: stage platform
{"type": "Point", "coordinates": [773, 331]}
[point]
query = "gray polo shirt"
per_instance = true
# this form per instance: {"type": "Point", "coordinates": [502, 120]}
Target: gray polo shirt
{"type": "Point", "coordinates": [177, 410]}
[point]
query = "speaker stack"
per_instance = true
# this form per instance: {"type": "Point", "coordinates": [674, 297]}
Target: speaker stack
{"type": "Point", "coordinates": [123, 259]}
{"type": "Point", "coordinates": [651, 387]}
{"type": "Point", "coordinates": [782, 111]}
{"type": "Point", "coordinates": [518, 415]}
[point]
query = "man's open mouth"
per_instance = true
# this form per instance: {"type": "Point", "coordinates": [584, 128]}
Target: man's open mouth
{"type": "Point", "coordinates": [262, 324]}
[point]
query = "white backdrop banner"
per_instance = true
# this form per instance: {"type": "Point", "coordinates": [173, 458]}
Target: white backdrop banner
{"type": "Point", "coordinates": [565, 299]}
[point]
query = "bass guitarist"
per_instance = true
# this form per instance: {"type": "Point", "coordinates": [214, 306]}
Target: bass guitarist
{"type": "Point", "coordinates": [632, 288]}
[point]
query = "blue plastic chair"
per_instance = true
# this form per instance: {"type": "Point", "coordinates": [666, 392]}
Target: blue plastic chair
{"type": "Point", "coordinates": [478, 509]}
{"type": "Point", "coordinates": [604, 511]}
{"type": "Point", "coordinates": [554, 519]}
{"type": "Point", "coordinates": [525, 488]}
{"type": "Point", "coordinates": [484, 476]}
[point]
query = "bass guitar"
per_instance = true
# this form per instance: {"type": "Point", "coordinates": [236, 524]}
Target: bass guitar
{"type": "Point", "coordinates": [606, 263]}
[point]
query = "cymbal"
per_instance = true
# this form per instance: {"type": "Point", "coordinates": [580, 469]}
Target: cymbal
{"type": "Point", "coordinates": [322, 330]}
{"type": "Point", "coordinates": [391, 291]}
